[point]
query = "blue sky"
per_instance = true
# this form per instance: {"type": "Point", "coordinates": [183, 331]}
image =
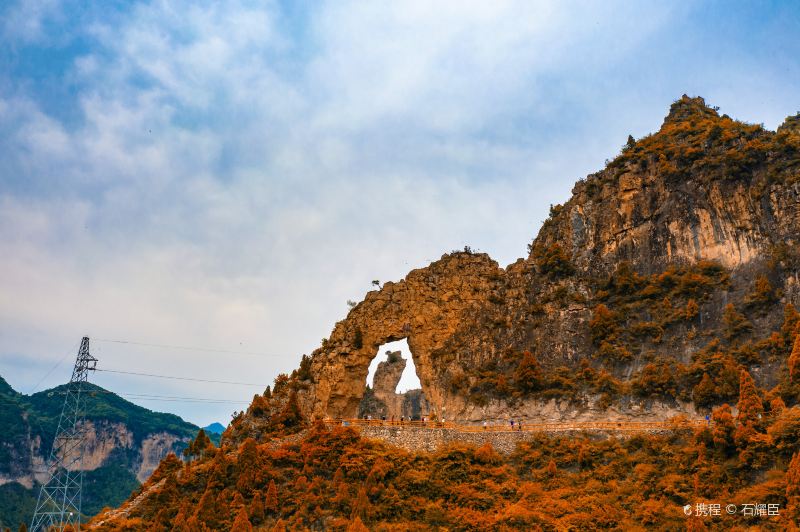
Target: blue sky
{"type": "Point", "coordinates": [229, 174]}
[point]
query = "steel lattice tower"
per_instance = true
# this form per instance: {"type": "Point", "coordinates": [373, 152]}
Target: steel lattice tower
{"type": "Point", "coordinates": [59, 503]}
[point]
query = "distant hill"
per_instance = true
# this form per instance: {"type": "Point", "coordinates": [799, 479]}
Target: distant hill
{"type": "Point", "coordinates": [126, 442]}
{"type": "Point", "coordinates": [214, 428]}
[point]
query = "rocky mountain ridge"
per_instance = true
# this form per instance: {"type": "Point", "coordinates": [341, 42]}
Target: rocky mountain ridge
{"type": "Point", "coordinates": [683, 231]}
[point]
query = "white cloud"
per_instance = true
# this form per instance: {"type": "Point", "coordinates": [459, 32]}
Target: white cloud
{"type": "Point", "coordinates": [233, 180]}
{"type": "Point", "coordinates": [25, 20]}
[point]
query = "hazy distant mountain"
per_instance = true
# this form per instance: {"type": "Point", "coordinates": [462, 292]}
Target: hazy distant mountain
{"type": "Point", "coordinates": [214, 428]}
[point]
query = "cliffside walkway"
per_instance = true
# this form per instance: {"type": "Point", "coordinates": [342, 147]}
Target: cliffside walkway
{"type": "Point", "coordinates": [566, 426]}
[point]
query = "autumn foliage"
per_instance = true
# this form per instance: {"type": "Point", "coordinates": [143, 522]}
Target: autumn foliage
{"type": "Point", "coordinates": [334, 480]}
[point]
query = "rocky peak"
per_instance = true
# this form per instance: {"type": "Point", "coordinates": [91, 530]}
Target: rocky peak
{"type": "Point", "coordinates": [388, 374]}
{"type": "Point", "coordinates": [687, 108]}
{"type": "Point", "coordinates": [791, 124]}
{"type": "Point", "coordinates": [716, 197]}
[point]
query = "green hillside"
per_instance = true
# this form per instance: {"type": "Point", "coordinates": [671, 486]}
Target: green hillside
{"type": "Point", "coordinates": [25, 418]}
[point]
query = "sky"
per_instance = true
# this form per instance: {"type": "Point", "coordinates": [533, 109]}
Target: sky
{"type": "Point", "coordinates": [222, 177]}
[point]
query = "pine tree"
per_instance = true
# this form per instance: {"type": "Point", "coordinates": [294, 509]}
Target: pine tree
{"type": "Point", "coordinates": [338, 477]}
{"type": "Point", "coordinates": [242, 522]}
{"type": "Point", "coordinates": [247, 466]}
{"type": "Point", "coordinates": [238, 500]}
{"type": "Point", "coordinates": [705, 392]}
{"type": "Point", "coordinates": [551, 468]}
{"type": "Point", "coordinates": [271, 502]}
{"type": "Point", "coordinates": [791, 321]}
{"type": "Point", "coordinates": [301, 483]}
{"type": "Point", "coordinates": [256, 510]}
{"type": "Point", "coordinates": [723, 429]}
{"type": "Point", "coordinates": [793, 477]}
{"type": "Point", "coordinates": [259, 406]}
{"type": "Point", "coordinates": [794, 362]}
{"type": "Point", "coordinates": [199, 446]}
{"type": "Point", "coordinates": [603, 325]}
{"type": "Point", "coordinates": [528, 375]}
{"type": "Point", "coordinates": [208, 511]}
{"type": "Point", "coordinates": [749, 405]}
{"type": "Point", "coordinates": [362, 506]}
{"type": "Point", "coordinates": [357, 525]}
{"type": "Point", "coordinates": [692, 310]}
{"type": "Point", "coordinates": [735, 323]}
{"type": "Point", "coordinates": [342, 498]}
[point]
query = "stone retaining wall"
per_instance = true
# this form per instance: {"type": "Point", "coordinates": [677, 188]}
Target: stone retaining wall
{"type": "Point", "coordinates": [430, 439]}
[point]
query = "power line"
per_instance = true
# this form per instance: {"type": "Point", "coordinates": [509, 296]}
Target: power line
{"type": "Point", "coordinates": [68, 353]}
{"type": "Point", "coordinates": [189, 348]}
{"type": "Point", "coordinates": [165, 397]}
{"type": "Point", "coordinates": [188, 400]}
{"type": "Point", "coordinates": [178, 378]}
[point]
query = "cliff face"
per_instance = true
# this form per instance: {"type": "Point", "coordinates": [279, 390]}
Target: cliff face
{"type": "Point", "coordinates": [703, 187]}
{"type": "Point", "coordinates": [106, 443]}
{"type": "Point", "coordinates": [685, 232]}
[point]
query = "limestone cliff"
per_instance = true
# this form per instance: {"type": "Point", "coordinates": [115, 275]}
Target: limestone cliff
{"type": "Point", "coordinates": [677, 260]}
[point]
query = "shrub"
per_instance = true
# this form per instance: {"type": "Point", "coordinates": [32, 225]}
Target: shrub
{"type": "Point", "coordinates": [661, 378]}
{"type": "Point", "coordinates": [528, 375]}
{"type": "Point", "coordinates": [603, 325]}
{"type": "Point", "coordinates": [553, 261]}
{"type": "Point", "coordinates": [763, 293]}
{"type": "Point", "coordinates": [704, 393]}
{"type": "Point", "coordinates": [735, 323]}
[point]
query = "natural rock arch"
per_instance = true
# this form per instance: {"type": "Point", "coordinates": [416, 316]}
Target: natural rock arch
{"type": "Point", "coordinates": [427, 308]}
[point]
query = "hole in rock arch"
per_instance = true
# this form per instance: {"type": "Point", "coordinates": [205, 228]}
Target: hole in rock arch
{"type": "Point", "coordinates": [393, 392]}
{"type": "Point", "coordinates": [409, 379]}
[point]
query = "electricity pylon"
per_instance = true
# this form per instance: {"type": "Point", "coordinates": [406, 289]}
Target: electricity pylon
{"type": "Point", "coordinates": [59, 503]}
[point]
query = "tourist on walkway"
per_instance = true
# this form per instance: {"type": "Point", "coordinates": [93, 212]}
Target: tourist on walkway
{"type": "Point", "coordinates": [484, 425]}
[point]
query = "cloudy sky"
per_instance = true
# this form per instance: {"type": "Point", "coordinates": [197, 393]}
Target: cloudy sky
{"type": "Point", "coordinates": [226, 175]}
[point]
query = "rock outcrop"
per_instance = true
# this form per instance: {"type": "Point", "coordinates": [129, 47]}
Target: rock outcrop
{"type": "Point", "coordinates": [384, 384]}
{"type": "Point", "coordinates": [705, 193]}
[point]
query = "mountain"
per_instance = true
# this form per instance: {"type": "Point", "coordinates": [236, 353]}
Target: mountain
{"type": "Point", "coordinates": [651, 258]}
{"type": "Point", "coordinates": [666, 286]}
{"type": "Point", "coordinates": [125, 444]}
{"type": "Point", "coordinates": [214, 428]}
